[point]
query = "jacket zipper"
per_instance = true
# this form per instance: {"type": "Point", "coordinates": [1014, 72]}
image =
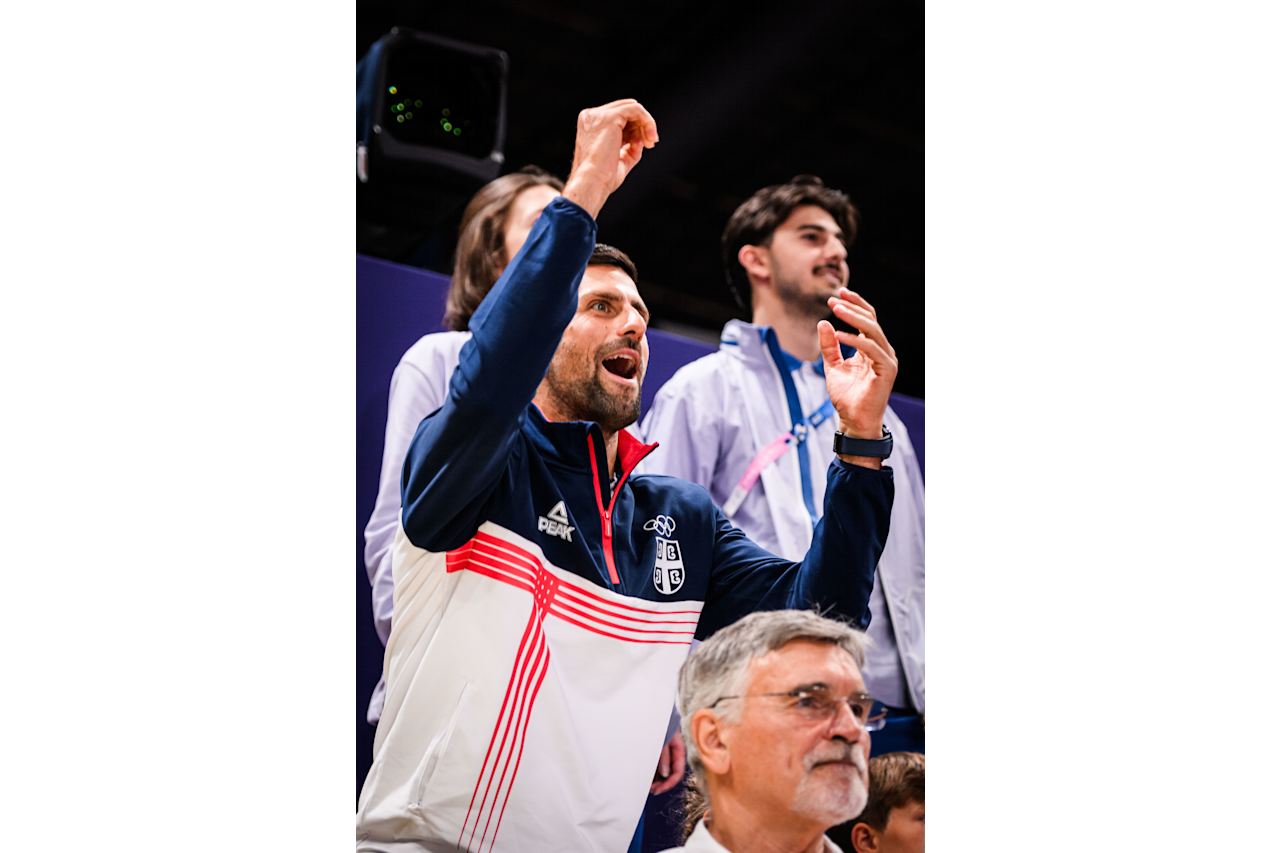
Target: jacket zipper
{"type": "Point", "coordinates": [606, 515]}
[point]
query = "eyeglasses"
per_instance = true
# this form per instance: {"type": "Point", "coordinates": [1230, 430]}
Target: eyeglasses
{"type": "Point", "coordinates": [816, 704]}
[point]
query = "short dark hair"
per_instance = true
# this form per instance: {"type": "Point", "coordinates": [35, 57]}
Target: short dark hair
{"type": "Point", "coordinates": [607, 256]}
{"type": "Point", "coordinates": [480, 256]}
{"type": "Point", "coordinates": [896, 779]}
{"type": "Point", "coordinates": [695, 805]}
{"type": "Point", "coordinates": [755, 220]}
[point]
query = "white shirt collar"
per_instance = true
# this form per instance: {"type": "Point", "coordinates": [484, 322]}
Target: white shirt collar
{"type": "Point", "coordinates": [700, 841]}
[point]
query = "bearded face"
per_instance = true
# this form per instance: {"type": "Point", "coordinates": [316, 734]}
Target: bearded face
{"type": "Point", "coordinates": [597, 370]}
{"type": "Point", "coordinates": [834, 786]}
{"type": "Point", "coordinates": [808, 261]}
{"type": "Point", "coordinates": [805, 296]}
{"type": "Point", "coordinates": [601, 385]}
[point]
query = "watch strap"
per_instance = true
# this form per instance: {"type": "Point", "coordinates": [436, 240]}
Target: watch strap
{"type": "Point", "coordinates": [880, 448]}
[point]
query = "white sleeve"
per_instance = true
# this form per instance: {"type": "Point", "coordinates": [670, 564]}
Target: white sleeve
{"type": "Point", "coordinates": [415, 393]}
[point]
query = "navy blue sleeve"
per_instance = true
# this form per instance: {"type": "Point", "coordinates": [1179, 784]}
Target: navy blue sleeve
{"type": "Point", "coordinates": [459, 452]}
{"type": "Point", "coordinates": [836, 574]}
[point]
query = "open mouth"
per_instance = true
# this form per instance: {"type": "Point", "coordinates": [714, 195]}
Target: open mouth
{"type": "Point", "coordinates": [624, 365]}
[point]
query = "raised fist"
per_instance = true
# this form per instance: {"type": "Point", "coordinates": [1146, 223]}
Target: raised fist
{"type": "Point", "coordinates": [610, 141]}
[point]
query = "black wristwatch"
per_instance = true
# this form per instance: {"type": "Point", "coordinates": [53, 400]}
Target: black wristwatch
{"type": "Point", "coordinates": [880, 448]}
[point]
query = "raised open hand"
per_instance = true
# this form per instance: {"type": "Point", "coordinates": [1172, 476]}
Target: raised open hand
{"type": "Point", "coordinates": [859, 386]}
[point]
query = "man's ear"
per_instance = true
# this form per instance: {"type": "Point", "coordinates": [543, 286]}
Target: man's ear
{"type": "Point", "coordinates": [708, 732]}
{"type": "Point", "coordinates": [865, 839]}
{"type": "Point", "coordinates": [755, 261]}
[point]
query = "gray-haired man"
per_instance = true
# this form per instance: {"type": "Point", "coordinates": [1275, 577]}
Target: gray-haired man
{"type": "Point", "coordinates": [775, 718]}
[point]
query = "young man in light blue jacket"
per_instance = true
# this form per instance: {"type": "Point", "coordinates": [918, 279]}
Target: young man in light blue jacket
{"type": "Point", "coordinates": [752, 424]}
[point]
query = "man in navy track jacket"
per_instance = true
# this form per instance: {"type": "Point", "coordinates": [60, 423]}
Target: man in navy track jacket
{"type": "Point", "coordinates": [545, 599]}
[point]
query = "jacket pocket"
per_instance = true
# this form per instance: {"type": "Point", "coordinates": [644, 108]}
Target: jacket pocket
{"type": "Point", "coordinates": [436, 750]}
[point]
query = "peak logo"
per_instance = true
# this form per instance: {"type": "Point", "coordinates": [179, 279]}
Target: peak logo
{"type": "Point", "coordinates": [556, 523]}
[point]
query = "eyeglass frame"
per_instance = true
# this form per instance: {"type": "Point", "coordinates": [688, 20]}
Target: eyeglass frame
{"type": "Point", "coordinates": [874, 722]}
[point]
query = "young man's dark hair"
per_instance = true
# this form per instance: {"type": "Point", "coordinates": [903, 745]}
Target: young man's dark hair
{"type": "Point", "coordinates": [607, 256]}
{"type": "Point", "coordinates": [755, 220]}
{"type": "Point", "coordinates": [481, 254]}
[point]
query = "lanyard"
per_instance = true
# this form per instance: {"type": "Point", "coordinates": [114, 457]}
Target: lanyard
{"type": "Point", "coordinates": [772, 451]}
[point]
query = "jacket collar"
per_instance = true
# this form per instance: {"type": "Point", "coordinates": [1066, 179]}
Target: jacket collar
{"type": "Point", "coordinates": [751, 343]}
{"type": "Point", "coordinates": [565, 442]}
{"type": "Point", "coordinates": [630, 451]}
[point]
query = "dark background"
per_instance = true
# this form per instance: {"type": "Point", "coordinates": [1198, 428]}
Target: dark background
{"type": "Point", "coordinates": [742, 99]}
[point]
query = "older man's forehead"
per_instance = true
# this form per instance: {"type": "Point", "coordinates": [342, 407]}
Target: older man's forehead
{"type": "Point", "coordinates": [805, 662]}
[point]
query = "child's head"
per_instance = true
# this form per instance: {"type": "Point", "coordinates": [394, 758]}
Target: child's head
{"type": "Point", "coordinates": [893, 821]}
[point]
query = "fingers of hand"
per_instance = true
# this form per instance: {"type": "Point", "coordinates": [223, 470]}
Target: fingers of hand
{"type": "Point", "coordinates": [677, 755]}
{"type": "Point", "coordinates": [671, 766]}
{"type": "Point", "coordinates": [862, 319]}
{"type": "Point", "coordinates": [636, 123]}
{"type": "Point", "coordinates": [642, 131]}
{"type": "Point", "coordinates": [639, 125]}
{"type": "Point", "coordinates": [828, 343]}
{"type": "Point", "coordinates": [626, 114]}
{"type": "Point", "coordinates": [664, 786]}
{"type": "Point", "coordinates": [885, 362]}
{"type": "Point", "coordinates": [628, 157]}
{"type": "Point", "coordinates": [847, 295]}
{"type": "Point", "coordinates": [613, 106]}
{"type": "Point", "coordinates": [844, 307]}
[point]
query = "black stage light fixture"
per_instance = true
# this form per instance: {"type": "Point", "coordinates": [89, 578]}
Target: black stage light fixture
{"type": "Point", "coordinates": [430, 108]}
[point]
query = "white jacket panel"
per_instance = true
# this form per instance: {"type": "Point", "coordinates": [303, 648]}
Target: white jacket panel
{"type": "Point", "coordinates": [555, 704]}
{"type": "Point", "coordinates": [418, 388]}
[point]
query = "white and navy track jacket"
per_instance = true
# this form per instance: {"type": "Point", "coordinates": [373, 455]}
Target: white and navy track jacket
{"type": "Point", "coordinates": [541, 617]}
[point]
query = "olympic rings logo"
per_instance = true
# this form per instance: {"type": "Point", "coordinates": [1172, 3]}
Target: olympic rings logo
{"type": "Point", "coordinates": [663, 525]}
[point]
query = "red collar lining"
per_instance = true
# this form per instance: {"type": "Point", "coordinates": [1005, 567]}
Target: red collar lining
{"type": "Point", "coordinates": [630, 451]}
